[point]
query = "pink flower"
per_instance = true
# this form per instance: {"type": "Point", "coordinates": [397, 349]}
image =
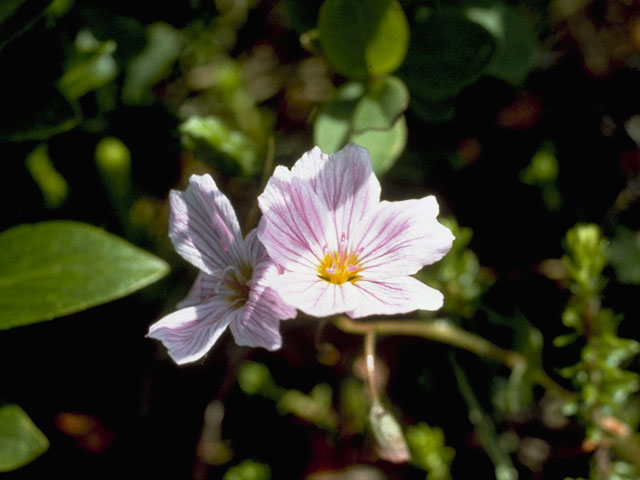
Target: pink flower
{"type": "Point", "coordinates": [232, 288]}
{"type": "Point", "coordinates": [341, 248]}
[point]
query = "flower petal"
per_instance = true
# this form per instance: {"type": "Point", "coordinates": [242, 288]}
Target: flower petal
{"type": "Point", "coordinates": [399, 238]}
{"type": "Point", "coordinates": [203, 226]}
{"type": "Point", "coordinates": [189, 333]}
{"type": "Point", "coordinates": [344, 181]}
{"type": "Point", "coordinates": [314, 296]}
{"type": "Point", "coordinates": [259, 324]}
{"type": "Point", "coordinates": [294, 222]}
{"type": "Point", "coordinates": [396, 295]}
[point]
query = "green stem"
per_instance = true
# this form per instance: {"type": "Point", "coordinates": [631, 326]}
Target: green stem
{"type": "Point", "coordinates": [443, 331]}
{"type": "Point", "coordinates": [370, 362]}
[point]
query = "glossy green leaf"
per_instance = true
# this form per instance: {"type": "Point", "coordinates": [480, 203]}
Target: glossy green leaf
{"type": "Point", "coordinates": [50, 269]}
{"type": "Point", "coordinates": [16, 16]}
{"type": "Point", "coordinates": [363, 38]}
{"type": "Point", "coordinates": [20, 440]}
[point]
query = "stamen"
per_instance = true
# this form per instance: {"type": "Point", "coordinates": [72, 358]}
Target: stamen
{"type": "Point", "coordinates": [339, 267]}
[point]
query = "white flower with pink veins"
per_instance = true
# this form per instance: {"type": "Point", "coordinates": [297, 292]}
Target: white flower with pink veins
{"type": "Point", "coordinates": [343, 250]}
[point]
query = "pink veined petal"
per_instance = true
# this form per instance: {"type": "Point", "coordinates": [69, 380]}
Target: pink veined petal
{"type": "Point", "coordinates": [189, 333]}
{"type": "Point", "coordinates": [265, 274]}
{"type": "Point", "coordinates": [254, 249]}
{"type": "Point", "coordinates": [344, 181]}
{"type": "Point", "coordinates": [259, 325]}
{"type": "Point", "coordinates": [395, 295]}
{"type": "Point", "coordinates": [314, 296]}
{"type": "Point", "coordinates": [203, 226]}
{"type": "Point", "coordinates": [294, 225]}
{"type": "Point", "coordinates": [399, 238]}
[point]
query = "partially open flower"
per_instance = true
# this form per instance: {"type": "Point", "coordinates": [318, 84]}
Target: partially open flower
{"type": "Point", "coordinates": [232, 289]}
{"type": "Point", "coordinates": [341, 248]}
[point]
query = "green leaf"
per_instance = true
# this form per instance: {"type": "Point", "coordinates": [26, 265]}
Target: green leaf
{"type": "Point", "coordinates": [447, 52]}
{"type": "Point", "coordinates": [370, 116]}
{"type": "Point", "coordinates": [50, 269]}
{"type": "Point", "coordinates": [624, 255]}
{"type": "Point", "coordinates": [214, 142]}
{"type": "Point", "coordinates": [363, 38]}
{"type": "Point", "coordinates": [20, 440]}
{"type": "Point", "coordinates": [516, 41]}
{"type": "Point", "coordinates": [383, 103]}
{"type": "Point", "coordinates": [17, 16]}
{"type": "Point", "coordinates": [385, 146]}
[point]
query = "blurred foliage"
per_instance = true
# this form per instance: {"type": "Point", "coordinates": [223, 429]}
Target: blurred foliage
{"type": "Point", "coordinates": [542, 172]}
{"type": "Point", "coordinates": [20, 440]}
{"type": "Point", "coordinates": [315, 408]}
{"type": "Point", "coordinates": [429, 452]}
{"type": "Point", "coordinates": [248, 470]}
{"type": "Point", "coordinates": [459, 274]}
{"type": "Point", "coordinates": [52, 184]}
{"type": "Point", "coordinates": [624, 255]}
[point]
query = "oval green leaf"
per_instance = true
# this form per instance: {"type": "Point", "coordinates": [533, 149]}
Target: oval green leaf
{"type": "Point", "coordinates": [20, 440]}
{"type": "Point", "coordinates": [50, 269]}
{"type": "Point", "coordinates": [362, 38]}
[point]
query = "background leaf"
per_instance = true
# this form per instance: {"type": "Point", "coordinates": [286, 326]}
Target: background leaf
{"type": "Point", "coordinates": [20, 440]}
{"type": "Point", "coordinates": [624, 255]}
{"type": "Point", "coordinates": [515, 39]}
{"type": "Point", "coordinates": [50, 269]}
{"type": "Point", "coordinates": [447, 52]}
{"type": "Point", "coordinates": [370, 116]}
{"type": "Point", "coordinates": [362, 38]}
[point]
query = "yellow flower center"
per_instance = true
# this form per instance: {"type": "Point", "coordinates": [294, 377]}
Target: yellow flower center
{"type": "Point", "coordinates": [339, 268]}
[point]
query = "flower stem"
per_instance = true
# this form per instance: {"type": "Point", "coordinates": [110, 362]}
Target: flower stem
{"type": "Point", "coordinates": [443, 331]}
{"type": "Point", "coordinates": [370, 362]}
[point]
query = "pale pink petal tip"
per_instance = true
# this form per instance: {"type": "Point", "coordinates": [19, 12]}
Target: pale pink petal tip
{"type": "Point", "coordinates": [189, 333]}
